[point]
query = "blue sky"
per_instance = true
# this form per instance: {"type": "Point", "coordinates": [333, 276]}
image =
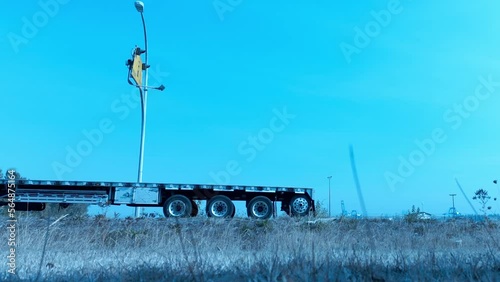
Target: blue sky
{"type": "Point", "coordinates": [230, 66]}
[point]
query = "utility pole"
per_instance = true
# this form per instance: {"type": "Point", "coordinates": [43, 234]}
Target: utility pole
{"type": "Point", "coordinates": [329, 196]}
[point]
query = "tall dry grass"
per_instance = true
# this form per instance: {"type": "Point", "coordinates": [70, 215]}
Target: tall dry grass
{"type": "Point", "coordinates": [283, 249]}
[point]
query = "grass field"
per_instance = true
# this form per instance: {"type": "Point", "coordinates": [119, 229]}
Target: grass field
{"type": "Point", "coordinates": [282, 249]}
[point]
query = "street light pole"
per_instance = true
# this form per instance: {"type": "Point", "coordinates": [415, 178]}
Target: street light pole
{"type": "Point", "coordinates": [329, 196]}
{"type": "Point", "coordinates": [135, 70]}
{"type": "Point", "coordinates": [139, 5]}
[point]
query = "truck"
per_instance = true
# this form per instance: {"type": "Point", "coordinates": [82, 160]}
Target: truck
{"type": "Point", "coordinates": [176, 199]}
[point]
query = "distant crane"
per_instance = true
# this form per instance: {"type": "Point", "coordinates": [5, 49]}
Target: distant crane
{"type": "Point", "coordinates": [344, 211]}
{"type": "Point", "coordinates": [353, 213]}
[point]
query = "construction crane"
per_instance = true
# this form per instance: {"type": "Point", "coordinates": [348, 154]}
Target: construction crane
{"type": "Point", "coordinates": [342, 206]}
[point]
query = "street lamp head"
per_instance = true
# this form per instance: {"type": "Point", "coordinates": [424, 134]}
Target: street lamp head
{"type": "Point", "coordinates": [139, 5]}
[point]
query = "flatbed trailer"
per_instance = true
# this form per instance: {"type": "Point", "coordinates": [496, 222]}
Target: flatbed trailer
{"type": "Point", "coordinates": [177, 200]}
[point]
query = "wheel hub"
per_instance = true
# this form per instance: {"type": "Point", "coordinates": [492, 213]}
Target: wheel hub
{"type": "Point", "coordinates": [177, 208]}
{"type": "Point", "coordinates": [260, 209]}
{"type": "Point", "coordinates": [220, 209]}
{"type": "Point", "coordinates": [300, 205]}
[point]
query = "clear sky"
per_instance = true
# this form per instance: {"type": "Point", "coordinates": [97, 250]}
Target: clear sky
{"type": "Point", "coordinates": [273, 92]}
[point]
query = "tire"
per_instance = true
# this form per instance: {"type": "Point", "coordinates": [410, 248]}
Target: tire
{"type": "Point", "coordinates": [194, 212]}
{"type": "Point", "coordinates": [300, 205]}
{"type": "Point", "coordinates": [177, 206]}
{"type": "Point", "coordinates": [260, 207]}
{"type": "Point", "coordinates": [220, 207]}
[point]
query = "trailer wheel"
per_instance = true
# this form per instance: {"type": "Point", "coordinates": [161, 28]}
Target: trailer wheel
{"type": "Point", "coordinates": [177, 206]}
{"type": "Point", "coordinates": [220, 206]}
{"type": "Point", "coordinates": [194, 212]}
{"type": "Point", "coordinates": [300, 206]}
{"type": "Point", "coordinates": [260, 207]}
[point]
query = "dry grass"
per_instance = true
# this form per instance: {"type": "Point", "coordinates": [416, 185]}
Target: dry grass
{"type": "Point", "coordinates": [284, 249]}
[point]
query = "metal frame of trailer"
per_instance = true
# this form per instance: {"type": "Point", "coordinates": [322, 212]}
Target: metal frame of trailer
{"type": "Point", "coordinates": [176, 199]}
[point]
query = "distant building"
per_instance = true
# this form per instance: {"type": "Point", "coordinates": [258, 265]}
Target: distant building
{"type": "Point", "coordinates": [424, 216]}
{"type": "Point", "coordinates": [355, 214]}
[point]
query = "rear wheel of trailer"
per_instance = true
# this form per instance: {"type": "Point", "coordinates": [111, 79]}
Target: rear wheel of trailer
{"type": "Point", "coordinates": [178, 206]}
{"type": "Point", "coordinates": [220, 206]}
{"type": "Point", "coordinates": [300, 205]}
{"type": "Point", "coordinates": [260, 207]}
